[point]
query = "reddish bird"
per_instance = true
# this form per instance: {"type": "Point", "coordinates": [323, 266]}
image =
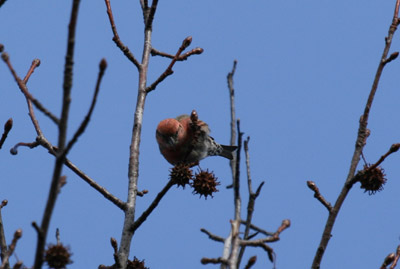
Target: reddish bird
{"type": "Point", "coordinates": [186, 139]}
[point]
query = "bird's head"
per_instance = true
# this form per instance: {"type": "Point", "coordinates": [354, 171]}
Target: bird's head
{"type": "Point", "coordinates": [169, 133]}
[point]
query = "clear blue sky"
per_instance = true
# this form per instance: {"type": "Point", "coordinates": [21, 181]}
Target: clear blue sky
{"type": "Point", "coordinates": [304, 71]}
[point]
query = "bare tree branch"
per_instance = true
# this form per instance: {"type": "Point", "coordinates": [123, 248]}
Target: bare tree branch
{"type": "Point", "coordinates": [252, 199]}
{"type": "Point", "coordinates": [82, 127]}
{"type": "Point", "coordinates": [62, 135]}
{"type": "Point", "coordinates": [393, 148]}
{"type": "Point", "coordinates": [182, 57]}
{"type": "Point", "coordinates": [185, 43]}
{"type": "Point", "coordinates": [133, 167]}
{"type": "Point", "coordinates": [233, 116]}
{"type": "Point", "coordinates": [257, 229]}
{"type": "Point", "coordinates": [24, 89]}
{"type": "Point", "coordinates": [214, 261]}
{"type": "Point", "coordinates": [212, 236]}
{"type": "Point", "coordinates": [359, 145]}
{"type": "Point", "coordinates": [117, 40]}
{"type": "Point", "coordinates": [318, 195]}
{"type": "Point", "coordinates": [152, 206]}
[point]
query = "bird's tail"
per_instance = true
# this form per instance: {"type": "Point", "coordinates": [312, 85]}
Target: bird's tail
{"type": "Point", "coordinates": [227, 151]}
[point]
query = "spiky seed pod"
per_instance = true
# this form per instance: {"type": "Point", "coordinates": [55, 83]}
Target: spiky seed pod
{"type": "Point", "coordinates": [205, 183]}
{"type": "Point", "coordinates": [136, 264]}
{"type": "Point", "coordinates": [57, 256]}
{"type": "Point", "coordinates": [181, 174]}
{"type": "Point", "coordinates": [372, 180]}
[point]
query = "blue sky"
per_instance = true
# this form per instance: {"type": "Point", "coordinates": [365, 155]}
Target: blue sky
{"type": "Point", "coordinates": [304, 72]}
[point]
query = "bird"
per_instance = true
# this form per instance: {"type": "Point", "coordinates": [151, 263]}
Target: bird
{"type": "Point", "coordinates": [186, 140]}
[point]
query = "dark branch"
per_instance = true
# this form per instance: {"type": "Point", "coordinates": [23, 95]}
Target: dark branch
{"type": "Point", "coordinates": [169, 71]}
{"type": "Point", "coordinates": [11, 248]}
{"type": "Point", "coordinates": [82, 127]}
{"type": "Point", "coordinates": [24, 89]}
{"type": "Point", "coordinates": [213, 261]}
{"type": "Point", "coordinates": [117, 40]}
{"type": "Point", "coordinates": [14, 150]}
{"type": "Point", "coordinates": [152, 206]}
{"type": "Point", "coordinates": [62, 135]}
{"type": "Point", "coordinates": [359, 145]}
{"type": "Point", "coordinates": [251, 201]}
{"type": "Point", "coordinates": [396, 258]}
{"type": "Point", "coordinates": [318, 195]}
{"type": "Point", "coordinates": [212, 236]}
{"type": "Point", "coordinates": [251, 262]}
{"type": "Point", "coordinates": [393, 148]}
{"type": "Point", "coordinates": [3, 242]}
{"type": "Point", "coordinates": [183, 57]}
{"type": "Point", "coordinates": [7, 128]}
{"type": "Point", "coordinates": [257, 229]}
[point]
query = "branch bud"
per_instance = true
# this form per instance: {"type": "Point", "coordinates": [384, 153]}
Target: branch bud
{"type": "Point", "coordinates": [4, 203]}
{"type": "Point", "coordinates": [395, 147]}
{"type": "Point", "coordinates": [392, 56]}
{"type": "Point", "coordinates": [8, 125]}
{"type": "Point", "coordinates": [5, 56]}
{"type": "Point", "coordinates": [186, 43]}
{"type": "Point", "coordinates": [197, 51]}
{"type": "Point", "coordinates": [389, 259]}
{"type": "Point", "coordinates": [36, 62]}
{"type": "Point", "coordinates": [18, 234]}
{"type": "Point", "coordinates": [103, 64]}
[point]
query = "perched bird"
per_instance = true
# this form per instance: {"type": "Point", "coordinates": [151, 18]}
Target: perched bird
{"type": "Point", "coordinates": [186, 139]}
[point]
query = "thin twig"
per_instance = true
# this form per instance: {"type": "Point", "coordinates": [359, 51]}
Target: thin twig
{"type": "Point", "coordinates": [150, 16]}
{"type": "Point", "coordinates": [257, 229]}
{"type": "Point", "coordinates": [388, 260]}
{"type": "Point", "coordinates": [24, 89]}
{"type": "Point", "coordinates": [28, 95]}
{"type": "Point", "coordinates": [62, 135]}
{"type": "Point", "coordinates": [3, 242]}
{"type": "Point", "coordinates": [318, 195]}
{"type": "Point", "coordinates": [82, 127]}
{"type": "Point", "coordinates": [117, 40]}
{"type": "Point", "coordinates": [11, 248]}
{"type": "Point", "coordinates": [7, 128]}
{"type": "Point", "coordinates": [212, 236]}
{"type": "Point", "coordinates": [393, 148]}
{"type": "Point", "coordinates": [252, 199]}
{"type": "Point", "coordinates": [14, 150]}
{"type": "Point", "coordinates": [152, 206]}
{"type": "Point", "coordinates": [360, 143]}
{"type": "Point", "coordinates": [213, 261]}
{"type": "Point", "coordinates": [185, 43]}
{"type": "Point", "coordinates": [52, 150]}
{"type": "Point", "coordinates": [396, 258]}
{"type": "Point", "coordinates": [260, 243]}
{"type": "Point", "coordinates": [183, 57]}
